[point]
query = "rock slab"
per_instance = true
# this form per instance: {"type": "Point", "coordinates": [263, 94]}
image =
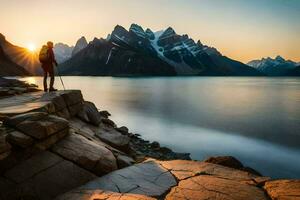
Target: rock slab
{"type": "Point", "coordinates": [87, 154]}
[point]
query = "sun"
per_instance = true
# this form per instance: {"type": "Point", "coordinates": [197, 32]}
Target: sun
{"type": "Point", "coordinates": [31, 47]}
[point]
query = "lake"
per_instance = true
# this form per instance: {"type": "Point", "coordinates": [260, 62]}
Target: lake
{"type": "Point", "coordinates": [255, 119]}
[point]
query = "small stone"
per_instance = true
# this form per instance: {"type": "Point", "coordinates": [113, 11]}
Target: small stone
{"type": "Point", "coordinates": [155, 145]}
{"type": "Point", "coordinates": [108, 122]}
{"type": "Point", "coordinates": [19, 139]}
{"type": "Point", "coordinates": [104, 114]}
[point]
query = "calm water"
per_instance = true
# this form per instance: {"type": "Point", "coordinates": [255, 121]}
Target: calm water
{"type": "Point", "coordinates": [256, 120]}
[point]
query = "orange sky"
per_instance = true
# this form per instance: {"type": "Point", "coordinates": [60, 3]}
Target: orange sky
{"type": "Point", "coordinates": [243, 30]}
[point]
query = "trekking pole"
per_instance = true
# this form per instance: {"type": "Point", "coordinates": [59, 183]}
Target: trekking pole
{"type": "Point", "coordinates": [60, 78]}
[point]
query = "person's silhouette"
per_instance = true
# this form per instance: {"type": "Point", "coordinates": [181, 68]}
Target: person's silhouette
{"type": "Point", "coordinates": [47, 59]}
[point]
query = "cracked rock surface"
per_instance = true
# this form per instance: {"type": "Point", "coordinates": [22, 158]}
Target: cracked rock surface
{"type": "Point", "coordinates": [283, 189]}
{"type": "Point", "coordinates": [181, 179]}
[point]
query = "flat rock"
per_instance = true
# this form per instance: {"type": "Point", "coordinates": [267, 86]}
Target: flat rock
{"type": "Point", "coordinates": [183, 169]}
{"type": "Point", "coordinates": [44, 127]}
{"type": "Point", "coordinates": [42, 176]}
{"type": "Point", "coordinates": [19, 139]}
{"type": "Point", "coordinates": [32, 166]}
{"type": "Point", "coordinates": [17, 119]}
{"type": "Point", "coordinates": [283, 189]}
{"type": "Point", "coordinates": [149, 179]}
{"type": "Point", "coordinates": [101, 195]}
{"type": "Point", "coordinates": [89, 113]}
{"type": "Point", "coordinates": [40, 101]}
{"type": "Point", "coordinates": [23, 103]}
{"type": "Point", "coordinates": [205, 187]}
{"type": "Point", "coordinates": [88, 154]}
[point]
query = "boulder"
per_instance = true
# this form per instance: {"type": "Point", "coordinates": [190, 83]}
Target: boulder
{"type": "Point", "coordinates": [56, 99]}
{"type": "Point", "coordinates": [46, 143]}
{"type": "Point", "coordinates": [87, 154]}
{"type": "Point", "coordinates": [15, 120]}
{"type": "Point", "coordinates": [283, 189]}
{"type": "Point", "coordinates": [114, 138]}
{"type": "Point", "coordinates": [89, 113]}
{"type": "Point", "coordinates": [155, 145]}
{"type": "Point", "coordinates": [232, 162]}
{"type": "Point", "coordinates": [228, 161]}
{"type": "Point", "coordinates": [40, 129]}
{"type": "Point", "coordinates": [19, 139]}
{"type": "Point", "coordinates": [72, 97]}
{"type": "Point", "coordinates": [75, 109]}
{"type": "Point", "coordinates": [123, 129]}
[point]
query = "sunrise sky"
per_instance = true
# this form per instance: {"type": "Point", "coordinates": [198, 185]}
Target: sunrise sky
{"type": "Point", "coordinates": [241, 29]}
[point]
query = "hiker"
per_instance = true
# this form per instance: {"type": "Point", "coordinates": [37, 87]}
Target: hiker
{"type": "Point", "coordinates": [47, 60]}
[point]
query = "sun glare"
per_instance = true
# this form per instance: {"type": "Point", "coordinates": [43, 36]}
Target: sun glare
{"type": "Point", "coordinates": [31, 47]}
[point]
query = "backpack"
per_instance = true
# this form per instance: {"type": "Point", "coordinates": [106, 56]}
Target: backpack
{"type": "Point", "coordinates": [44, 56]}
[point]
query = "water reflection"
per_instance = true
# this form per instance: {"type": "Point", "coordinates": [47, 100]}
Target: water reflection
{"type": "Point", "coordinates": [254, 119]}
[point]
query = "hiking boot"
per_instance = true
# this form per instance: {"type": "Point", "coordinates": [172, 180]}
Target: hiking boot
{"type": "Point", "coordinates": [52, 90]}
{"type": "Point", "coordinates": [46, 90]}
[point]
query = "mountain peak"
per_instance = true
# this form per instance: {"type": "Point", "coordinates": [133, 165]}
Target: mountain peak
{"type": "Point", "coordinates": [279, 58]}
{"type": "Point", "coordinates": [150, 34]}
{"type": "Point", "coordinates": [170, 30]}
{"type": "Point", "coordinates": [138, 30]}
{"type": "Point", "coordinates": [80, 44]}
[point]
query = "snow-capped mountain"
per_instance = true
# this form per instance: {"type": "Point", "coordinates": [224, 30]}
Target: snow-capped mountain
{"type": "Point", "coordinates": [273, 67]}
{"type": "Point", "coordinates": [80, 44]}
{"type": "Point", "coordinates": [62, 52]}
{"type": "Point", "coordinates": [144, 52]}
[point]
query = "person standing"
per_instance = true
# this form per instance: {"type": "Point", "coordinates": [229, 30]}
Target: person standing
{"type": "Point", "coordinates": [47, 60]}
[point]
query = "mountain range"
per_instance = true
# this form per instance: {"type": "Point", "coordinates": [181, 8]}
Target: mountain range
{"type": "Point", "coordinates": [275, 67]}
{"type": "Point", "coordinates": [137, 52]}
{"type": "Point", "coordinates": [142, 52]}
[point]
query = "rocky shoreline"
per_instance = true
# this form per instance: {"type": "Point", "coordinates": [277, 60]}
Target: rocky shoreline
{"type": "Point", "coordinates": [57, 145]}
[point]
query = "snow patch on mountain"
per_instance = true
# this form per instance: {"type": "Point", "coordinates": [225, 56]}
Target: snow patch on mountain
{"type": "Point", "coordinates": [181, 68]}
